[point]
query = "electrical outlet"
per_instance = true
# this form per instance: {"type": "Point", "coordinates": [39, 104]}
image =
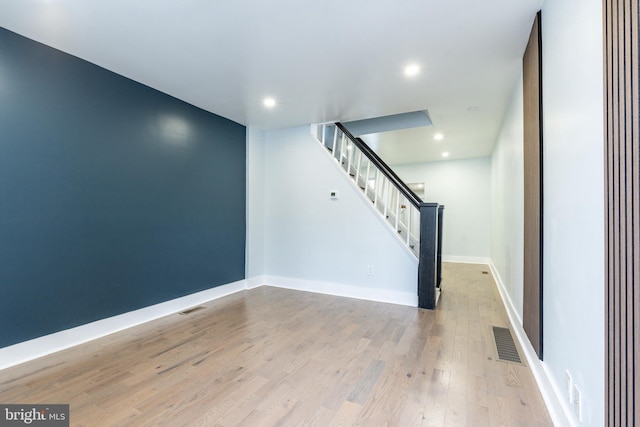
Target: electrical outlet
{"type": "Point", "coordinates": [569, 386]}
{"type": "Point", "coordinates": [577, 402]}
{"type": "Point", "coordinates": [369, 270]}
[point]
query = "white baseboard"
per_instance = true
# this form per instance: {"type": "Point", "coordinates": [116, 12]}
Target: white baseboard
{"type": "Point", "coordinates": [341, 290]}
{"type": "Point", "coordinates": [48, 344]}
{"type": "Point", "coordinates": [254, 282]}
{"type": "Point", "coordinates": [465, 259]}
{"type": "Point", "coordinates": [514, 317]}
{"type": "Point", "coordinates": [559, 411]}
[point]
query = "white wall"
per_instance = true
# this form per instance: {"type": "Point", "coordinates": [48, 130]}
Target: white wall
{"type": "Point", "coordinates": [464, 188]}
{"type": "Point", "coordinates": [573, 300]}
{"type": "Point", "coordinates": [574, 198]}
{"type": "Point", "coordinates": [507, 198]}
{"type": "Point", "coordinates": [255, 203]}
{"type": "Point", "coordinates": [310, 237]}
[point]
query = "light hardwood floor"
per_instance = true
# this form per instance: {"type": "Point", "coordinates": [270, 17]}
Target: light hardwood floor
{"type": "Point", "coordinates": [270, 356]}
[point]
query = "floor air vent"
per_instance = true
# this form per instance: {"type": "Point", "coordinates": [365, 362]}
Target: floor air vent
{"type": "Point", "coordinates": [192, 309]}
{"type": "Point", "coordinates": [507, 350]}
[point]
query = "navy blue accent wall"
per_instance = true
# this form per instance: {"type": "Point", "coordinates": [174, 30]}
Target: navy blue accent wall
{"type": "Point", "coordinates": [113, 196]}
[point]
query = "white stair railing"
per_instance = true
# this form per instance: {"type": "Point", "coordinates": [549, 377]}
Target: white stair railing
{"type": "Point", "coordinates": [399, 213]}
{"type": "Point", "coordinates": [417, 225]}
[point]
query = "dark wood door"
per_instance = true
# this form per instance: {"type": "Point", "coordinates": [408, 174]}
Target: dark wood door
{"type": "Point", "coordinates": [532, 93]}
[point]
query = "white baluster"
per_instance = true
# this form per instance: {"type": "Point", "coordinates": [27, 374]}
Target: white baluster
{"type": "Point", "coordinates": [416, 226]}
{"type": "Point", "coordinates": [397, 208]}
{"type": "Point", "coordinates": [375, 188]}
{"type": "Point", "coordinates": [350, 144]}
{"type": "Point", "coordinates": [385, 197]}
{"type": "Point", "coordinates": [335, 140]}
{"type": "Point", "coordinates": [409, 222]}
{"type": "Point", "coordinates": [357, 174]}
{"type": "Point", "coordinates": [380, 191]}
{"type": "Point", "coordinates": [366, 182]}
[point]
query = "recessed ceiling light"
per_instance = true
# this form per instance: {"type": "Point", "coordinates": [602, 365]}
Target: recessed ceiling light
{"type": "Point", "coordinates": [472, 108]}
{"type": "Point", "coordinates": [411, 70]}
{"type": "Point", "coordinates": [269, 102]}
{"type": "Point", "coordinates": [445, 154]}
{"type": "Point", "coordinates": [438, 137]}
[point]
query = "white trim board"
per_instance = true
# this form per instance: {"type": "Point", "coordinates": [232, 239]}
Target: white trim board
{"type": "Point", "coordinates": [254, 282]}
{"type": "Point", "coordinates": [466, 259]}
{"type": "Point", "coordinates": [52, 343]}
{"type": "Point", "coordinates": [558, 409]}
{"type": "Point", "coordinates": [342, 290]}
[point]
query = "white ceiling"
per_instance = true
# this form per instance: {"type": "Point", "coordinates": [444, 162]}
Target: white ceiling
{"type": "Point", "coordinates": [330, 60]}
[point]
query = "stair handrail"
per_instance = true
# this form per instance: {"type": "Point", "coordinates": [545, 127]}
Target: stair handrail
{"type": "Point", "coordinates": [382, 166]}
{"type": "Point", "coordinates": [430, 217]}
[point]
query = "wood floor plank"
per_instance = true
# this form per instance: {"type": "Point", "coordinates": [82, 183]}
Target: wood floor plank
{"type": "Point", "coordinates": [277, 357]}
{"type": "Point", "coordinates": [346, 415]}
{"type": "Point", "coordinates": [411, 414]}
{"type": "Point", "coordinates": [434, 411]}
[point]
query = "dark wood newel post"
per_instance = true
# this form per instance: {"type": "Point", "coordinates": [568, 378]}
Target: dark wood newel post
{"type": "Point", "coordinates": [429, 262]}
{"type": "Point", "coordinates": [439, 251]}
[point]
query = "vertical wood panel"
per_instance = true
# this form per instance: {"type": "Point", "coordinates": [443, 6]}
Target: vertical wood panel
{"type": "Point", "coordinates": [622, 215]}
{"type": "Point", "coordinates": [609, 297]}
{"type": "Point", "coordinates": [635, 191]}
{"type": "Point", "coordinates": [532, 94]}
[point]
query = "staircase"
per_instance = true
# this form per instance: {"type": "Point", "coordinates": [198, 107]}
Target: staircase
{"type": "Point", "coordinates": [417, 224]}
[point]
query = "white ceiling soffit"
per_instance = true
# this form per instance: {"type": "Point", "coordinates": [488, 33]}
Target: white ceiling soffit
{"type": "Point", "coordinates": [321, 62]}
{"type": "Point", "coordinates": [388, 123]}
